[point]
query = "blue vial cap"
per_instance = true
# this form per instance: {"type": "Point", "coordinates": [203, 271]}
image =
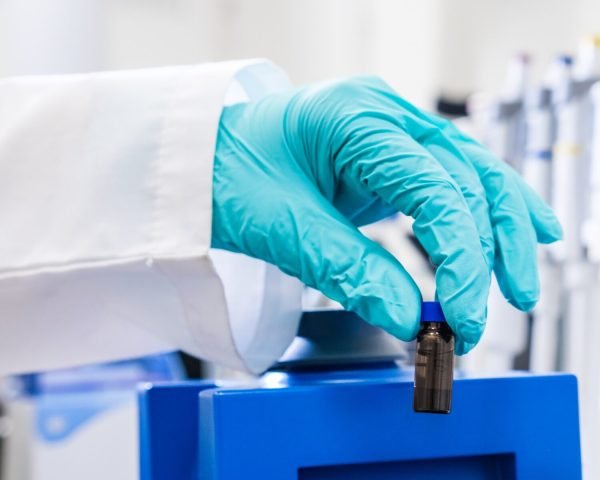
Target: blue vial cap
{"type": "Point", "coordinates": [432, 312]}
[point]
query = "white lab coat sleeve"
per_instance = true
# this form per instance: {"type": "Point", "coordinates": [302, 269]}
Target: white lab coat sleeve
{"type": "Point", "coordinates": [105, 211]}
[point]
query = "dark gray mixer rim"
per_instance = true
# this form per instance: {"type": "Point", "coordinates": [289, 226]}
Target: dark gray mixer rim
{"type": "Point", "coordinates": [336, 337]}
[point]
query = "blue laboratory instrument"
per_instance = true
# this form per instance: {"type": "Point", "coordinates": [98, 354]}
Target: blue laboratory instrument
{"type": "Point", "coordinates": [338, 406]}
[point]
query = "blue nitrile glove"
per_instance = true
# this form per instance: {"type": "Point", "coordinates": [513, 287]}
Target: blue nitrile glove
{"type": "Point", "coordinates": [297, 172]}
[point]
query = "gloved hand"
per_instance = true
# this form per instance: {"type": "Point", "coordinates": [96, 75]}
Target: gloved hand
{"type": "Point", "coordinates": [297, 172]}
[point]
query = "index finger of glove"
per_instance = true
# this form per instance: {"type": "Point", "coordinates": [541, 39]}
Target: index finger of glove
{"type": "Point", "coordinates": [389, 163]}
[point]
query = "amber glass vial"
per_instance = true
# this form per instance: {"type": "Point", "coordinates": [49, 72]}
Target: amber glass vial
{"type": "Point", "coordinates": [434, 362]}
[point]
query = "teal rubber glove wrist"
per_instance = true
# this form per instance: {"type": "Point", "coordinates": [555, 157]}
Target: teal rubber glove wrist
{"type": "Point", "coordinates": [297, 172]}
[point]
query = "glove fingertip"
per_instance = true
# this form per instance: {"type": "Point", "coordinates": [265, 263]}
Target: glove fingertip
{"type": "Point", "coordinates": [462, 348]}
{"type": "Point", "coordinates": [524, 305]}
{"type": "Point", "coordinates": [406, 327]}
{"type": "Point", "coordinates": [468, 331]}
{"type": "Point", "coordinates": [392, 303]}
{"type": "Point", "coordinates": [553, 233]}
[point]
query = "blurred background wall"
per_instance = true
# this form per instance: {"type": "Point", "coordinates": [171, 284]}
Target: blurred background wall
{"type": "Point", "coordinates": [421, 47]}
